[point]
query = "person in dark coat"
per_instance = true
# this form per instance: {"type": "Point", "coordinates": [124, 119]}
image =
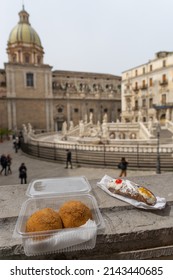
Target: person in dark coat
{"type": "Point", "coordinates": [123, 166]}
{"type": "Point", "coordinates": [9, 160]}
{"type": "Point", "coordinates": [23, 173]}
{"type": "Point", "coordinates": [4, 164]}
{"type": "Point", "coordinates": [68, 159]}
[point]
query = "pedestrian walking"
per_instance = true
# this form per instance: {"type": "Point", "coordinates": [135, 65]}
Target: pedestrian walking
{"type": "Point", "coordinates": [16, 144]}
{"type": "Point", "coordinates": [9, 161]}
{"type": "Point", "coordinates": [4, 164]}
{"type": "Point", "coordinates": [69, 159]}
{"type": "Point", "coordinates": [23, 173]}
{"type": "Point", "coordinates": [123, 166]}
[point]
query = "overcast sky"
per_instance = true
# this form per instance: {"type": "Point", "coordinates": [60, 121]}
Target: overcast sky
{"type": "Point", "coordinates": [103, 36]}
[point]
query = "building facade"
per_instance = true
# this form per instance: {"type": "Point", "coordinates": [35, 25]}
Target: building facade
{"type": "Point", "coordinates": [147, 90]}
{"type": "Point", "coordinates": [30, 92]}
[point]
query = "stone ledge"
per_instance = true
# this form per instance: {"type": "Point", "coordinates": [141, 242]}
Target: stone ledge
{"type": "Point", "coordinates": [130, 233]}
{"type": "Point", "coordinates": [116, 242]}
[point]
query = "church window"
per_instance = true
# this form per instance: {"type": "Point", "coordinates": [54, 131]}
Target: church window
{"type": "Point", "coordinates": [164, 78]}
{"type": "Point", "coordinates": [76, 110]}
{"type": "Point", "coordinates": [60, 110]}
{"type": "Point", "coordinates": [150, 102]}
{"type": "Point", "coordinates": [144, 103]}
{"type": "Point", "coordinates": [151, 82]}
{"type": "Point", "coordinates": [14, 58]}
{"type": "Point", "coordinates": [38, 59]}
{"type": "Point", "coordinates": [136, 104]}
{"type": "Point", "coordinates": [29, 80]}
{"type": "Point", "coordinates": [27, 58]}
{"type": "Point", "coordinates": [163, 99]}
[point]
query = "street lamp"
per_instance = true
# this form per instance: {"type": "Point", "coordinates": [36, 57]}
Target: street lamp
{"type": "Point", "coordinates": [158, 171]}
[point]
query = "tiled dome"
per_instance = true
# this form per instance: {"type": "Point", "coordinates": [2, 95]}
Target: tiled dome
{"type": "Point", "coordinates": [23, 32]}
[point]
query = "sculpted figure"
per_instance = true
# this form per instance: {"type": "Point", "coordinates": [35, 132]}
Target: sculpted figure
{"type": "Point", "coordinates": [85, 119]}
{"type": "Point", "coordinates": [81, 128]}
{"type": "Point", "coordinates": [91, 117]}
{"type": "Point", "coordinates": [105, 118]}
{"type": "Point", "coordinates": [150, 126]}
{"type": "Point", "coordinates": [71, 125]}
{"type": "Point", "coordinates": [104, 130]}
{"type": "Point", "coordinates": [29, 128]}
{"type": "Point", "coordinates": [25, 133]}
{"type": "Point", "coordinates": [139, 116]}
{"type": "Point", "coordinates": [64, 128]}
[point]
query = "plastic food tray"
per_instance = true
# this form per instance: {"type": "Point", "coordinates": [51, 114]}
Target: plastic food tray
{"type": "Point", "coordinates": [52, 193]}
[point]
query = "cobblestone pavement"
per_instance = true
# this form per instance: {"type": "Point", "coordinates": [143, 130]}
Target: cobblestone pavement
{"type": "Point", "coordinates": [37, 169]}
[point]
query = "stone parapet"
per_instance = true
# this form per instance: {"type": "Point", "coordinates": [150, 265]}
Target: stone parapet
{"type": "Point", "coordinates": [130, 233]}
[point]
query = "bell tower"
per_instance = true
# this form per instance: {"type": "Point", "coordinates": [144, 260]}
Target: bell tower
{"type": "Point", "coordinates": [29, 80]}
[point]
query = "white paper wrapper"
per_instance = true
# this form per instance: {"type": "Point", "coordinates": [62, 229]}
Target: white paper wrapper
{"type": "Point", "coordinates": [160, 204]}
{"type": "Point", "coordinates": [62, 240]}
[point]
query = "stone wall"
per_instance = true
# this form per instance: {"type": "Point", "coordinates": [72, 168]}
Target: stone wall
{"type": "Point", "coordinates": [130, 233]}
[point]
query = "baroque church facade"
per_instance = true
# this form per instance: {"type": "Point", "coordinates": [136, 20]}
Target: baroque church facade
{"type": "Point", "coordinates": [31, 92]}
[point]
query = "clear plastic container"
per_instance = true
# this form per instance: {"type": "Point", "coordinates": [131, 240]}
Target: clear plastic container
{"type": "Point", "coordinates": [52, 193]}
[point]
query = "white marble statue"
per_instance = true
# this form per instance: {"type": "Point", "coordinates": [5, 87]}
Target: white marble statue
{"type": "Point", "coordinates": [93, 131]}
{"type": "Point", "coordinates": [64, 128]}
{"type": "Point", "coordinates": [105, 118]}
{"type": "Point", "coordinates": [139, 116]}
{"type": "Point", "coordinates": [104, 130]}
{"type": "Point", "coordinates": [25, 133]}
{"type": "Point", "coordinates": [98, 128]}
{"type": "Point", "coordinates": [71, 125]}
{"type": "Point", "coordinates": [150, 126]}
{"type": "Point", "coordinates": [24, 129]}
{"type": "Point", "coordinates": [91, 117]}
{"type": "Point", "coordinates": [81, 128]}
{"type": "Point", "coordinates": [29, 128]}
{"type": "Point", "coordinates": [85, 119]}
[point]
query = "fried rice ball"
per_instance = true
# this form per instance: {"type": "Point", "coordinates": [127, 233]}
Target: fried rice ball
{"type": "Point", "coordinates": [43, 220]}
{"type": "Point", "coordinates": [74, 214]}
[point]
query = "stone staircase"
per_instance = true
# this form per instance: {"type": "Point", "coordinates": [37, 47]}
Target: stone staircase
{"type": "Point", "coordinates": [165, 135]}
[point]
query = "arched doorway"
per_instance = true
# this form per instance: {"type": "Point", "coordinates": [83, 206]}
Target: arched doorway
{"type": "Point", "coordinates": [59, 122]}
{"type": "Point", "coordinates": [162, 119]}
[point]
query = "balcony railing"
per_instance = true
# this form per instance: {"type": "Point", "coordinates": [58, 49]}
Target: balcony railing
{"type": "Point", "coordinates": [144, 87]}
{"type": "Point", "coordinates": [136, 89]}
{"type": "Point", "coordinates": [163, 83]}
{"type": "Point", "coordinates": [127, 92]}
{"type": "Point", "coordinates": [135, 108]}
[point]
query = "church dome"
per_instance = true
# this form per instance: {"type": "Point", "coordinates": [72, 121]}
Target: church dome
{"type": "Point", "coordinates": [23, 31]}
{"type": "Point", "coordinates": [24, 41]}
